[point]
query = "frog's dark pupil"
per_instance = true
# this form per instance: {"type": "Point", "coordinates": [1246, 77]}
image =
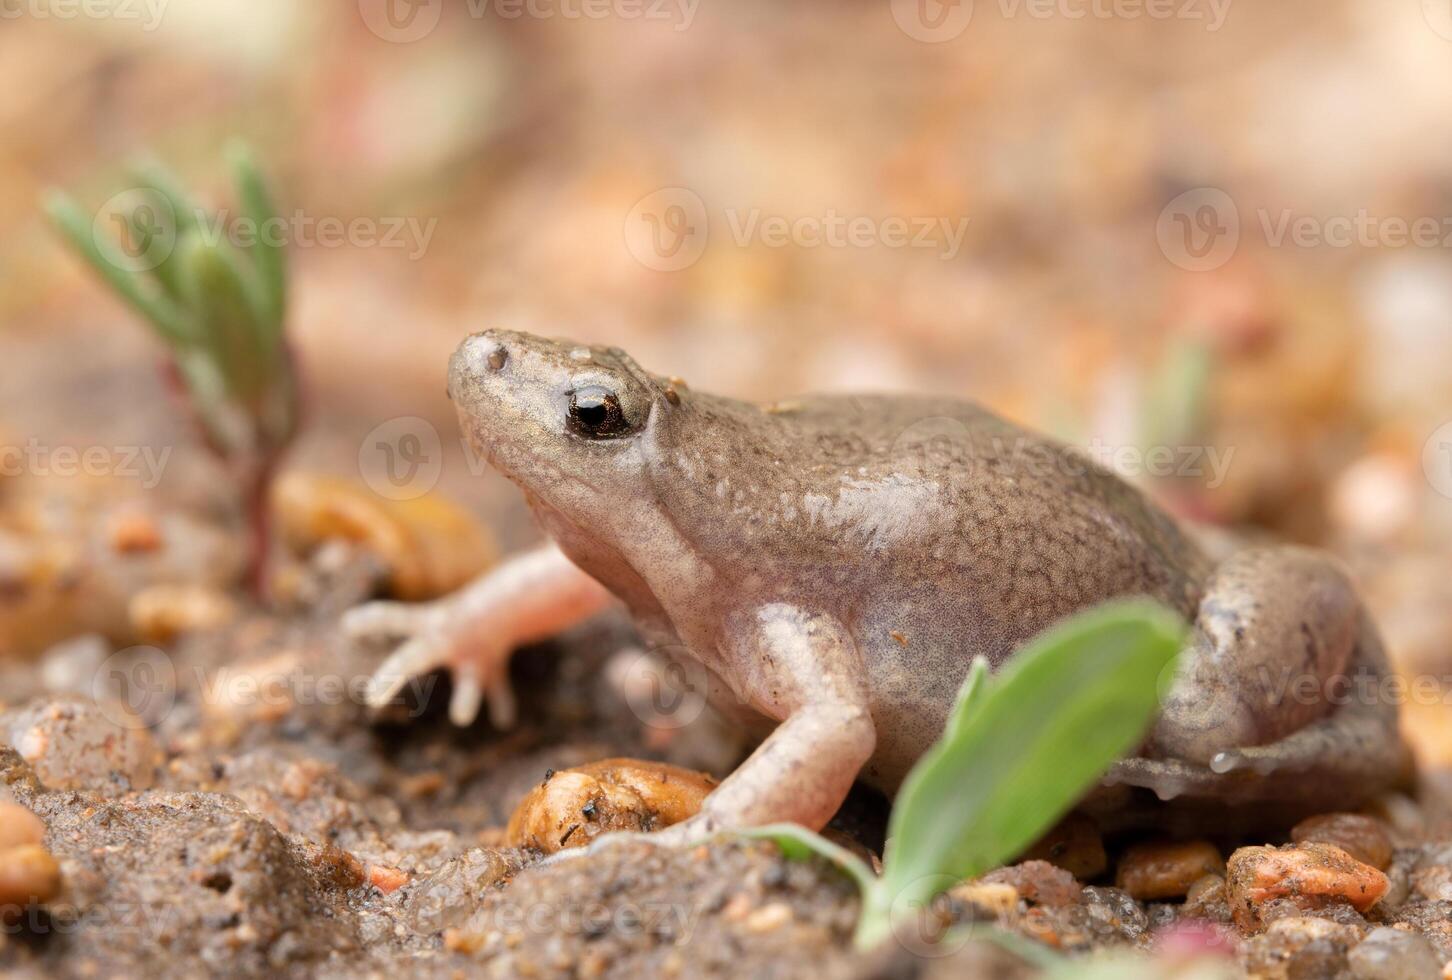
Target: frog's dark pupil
{"type": "Point", "coordinates": [596, 412]}
{"type": "Point", "coordinates": [592, 410]}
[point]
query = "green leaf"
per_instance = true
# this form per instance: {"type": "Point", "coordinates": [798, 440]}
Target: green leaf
{"type": "Point", "coordinates": [268, 256]}
{"type": "Point", "coordinates": [184, 215]}
{"type": "Point", "coordinates": [1020, 749]}
{"type": "Point", "coordinates": [214, 286]}
{"type": "Point", "coordinates": [80, 231]}
{"type": "Point", "coordinates": [798, 843]}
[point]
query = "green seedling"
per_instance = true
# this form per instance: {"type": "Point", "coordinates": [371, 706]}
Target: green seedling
{"type": "Point", "coordinates": [1020, 748]}
{"type": "Point", "coordinates": [220, 309]}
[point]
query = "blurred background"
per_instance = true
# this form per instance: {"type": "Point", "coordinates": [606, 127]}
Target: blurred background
{"type": "Point", "coordinates": [1220, 228]}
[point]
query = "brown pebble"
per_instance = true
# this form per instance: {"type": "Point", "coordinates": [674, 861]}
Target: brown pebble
{"type": "Point", "coordinates": [386, 879]}
{"type": "Point", "coordinates": [1310, 875]}
{"type": "Point", "coordinates": [132, 533]}
{"type": "Point", "coordinates": [1075, 845]}
{"type": "Point", "coordinates": [19, 826]}
{"type": "Point", "coordinates": [574, 806]}
{"type": "Point", "coordinates": [768, 918]}
{"type": "Point", "coordinates": [1157, 870]}
{"type": "Point", "coordinates": [1039, 881]}
{"type": "Point", "coordinates": [27, 874]}
{"type": "Point", "coordinates": [1364, 838]}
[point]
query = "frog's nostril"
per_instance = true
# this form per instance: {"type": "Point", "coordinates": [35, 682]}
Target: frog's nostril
{"type": "Point", "coordinates": [497, 358]}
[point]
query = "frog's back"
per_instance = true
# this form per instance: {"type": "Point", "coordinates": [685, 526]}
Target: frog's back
{"type": "Point", "coordinates": [946, 489]}
{"type": "Point", "coordinates": [881, 495]}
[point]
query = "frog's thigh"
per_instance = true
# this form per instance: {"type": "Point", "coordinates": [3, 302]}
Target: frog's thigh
{"type": "Point", "coordinates": [1275, 629]}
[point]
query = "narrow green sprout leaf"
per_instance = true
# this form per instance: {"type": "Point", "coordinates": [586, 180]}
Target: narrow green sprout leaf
{"type": "Point", "coordinates": [267, 253]}
{"type": "Point", "coordinates": [215, 292]}
{"type": "Point", "coordinates": [798, 843]}
{"type": "Point", "coordinates": [79, 230]}
{"type": "Point", "coordinates": [181, 214]}
{"type": "Point", "coordinates": [1021, 748]}
{"type": "Point", "coordinates": [220, 311]}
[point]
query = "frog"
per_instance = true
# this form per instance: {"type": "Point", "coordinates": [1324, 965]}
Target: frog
{"type": "Point", "coordinates": [830, 566]}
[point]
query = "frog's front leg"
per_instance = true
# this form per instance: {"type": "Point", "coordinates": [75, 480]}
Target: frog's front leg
{"type": "Point", "coordinates": [804, 670]}
{"type": "Point", "coordinates": [472, 632]}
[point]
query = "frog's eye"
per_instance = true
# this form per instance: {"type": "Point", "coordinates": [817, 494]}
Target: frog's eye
{"type": "Point", "coordinates": [595, 413]}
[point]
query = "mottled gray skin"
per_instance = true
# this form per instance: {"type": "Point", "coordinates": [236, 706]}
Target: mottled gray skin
{"type": "Point", "coordinates": [861, 550]}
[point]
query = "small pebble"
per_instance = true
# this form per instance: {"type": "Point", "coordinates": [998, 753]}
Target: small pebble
{"type": "Point", "coordinates": [1075, 845]}
{"type": "Point", "coordinates": [997, 898]}
{"type": "Point", "coordinates": [1364, 838]}
{"type": "Point", "coordinates": [1166, 869]}
{"type": "Point", "coordinates": [574, 806]}
{"type": "Point", "coordinates": [28, 874]}
{"type": "Point", "coordinates": [161, 613]}
{"type": "Point", "coordinates": [1300, 946]}
{"type": "Point", "coordinates": [76, 743]}
{"type": "Point", "coordinates": [1038, 881]}
{"type": "Point", "coordinates": [768, 918]}
{"type": "Point", "coordinates": [1309, 875]}
{"type": "Point", "coordinates": [18, 826]}
{"type": "Point", "coordinates": [1393, 954]}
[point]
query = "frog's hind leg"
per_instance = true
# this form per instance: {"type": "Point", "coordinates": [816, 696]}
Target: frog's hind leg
{"type": "Point", "coordinates": [1335, 762]}
{"type": "Point", "coordinates": [1274, 631]}
{"type": "Point", "coordinates": [1285, 678]}
{"type": "Point", "coordinates": [1357, 745]}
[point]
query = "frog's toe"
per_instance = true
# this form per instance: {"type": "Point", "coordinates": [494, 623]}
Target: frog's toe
{"type": "Point", "coordinates": [470, 690]}
{"type": "Point", "coordinates": [416, 656]}
{"type": "Point", "coordinates": [383, 619]}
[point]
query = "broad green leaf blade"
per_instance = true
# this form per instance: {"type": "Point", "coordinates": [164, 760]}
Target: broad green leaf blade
{"type": "Point", "coordinates": [1024, 747]}
{"type": "Point", "coordinates": [970, 696]}
{"type": "Point", "coordinates": [798, 843]}
{"type": "Point", "coordinates": [79, 229]}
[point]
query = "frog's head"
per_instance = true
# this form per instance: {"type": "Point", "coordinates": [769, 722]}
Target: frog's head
{"type": "Point", "coordinates": [570, 423]}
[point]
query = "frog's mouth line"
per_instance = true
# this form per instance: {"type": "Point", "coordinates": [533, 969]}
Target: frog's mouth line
{"type": "Point", "coordinates": [511, 460]}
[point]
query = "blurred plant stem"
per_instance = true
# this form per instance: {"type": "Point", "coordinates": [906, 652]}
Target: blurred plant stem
{"type": "Point", "coordinates": [220, 308]}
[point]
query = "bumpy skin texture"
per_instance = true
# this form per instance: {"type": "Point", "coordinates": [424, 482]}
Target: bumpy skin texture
{"type": "Point", "coordinates": [834, 563]}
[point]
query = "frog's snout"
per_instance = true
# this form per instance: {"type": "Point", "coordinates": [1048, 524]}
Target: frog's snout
{"type": "Point", "coordinates": [479, 356]}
